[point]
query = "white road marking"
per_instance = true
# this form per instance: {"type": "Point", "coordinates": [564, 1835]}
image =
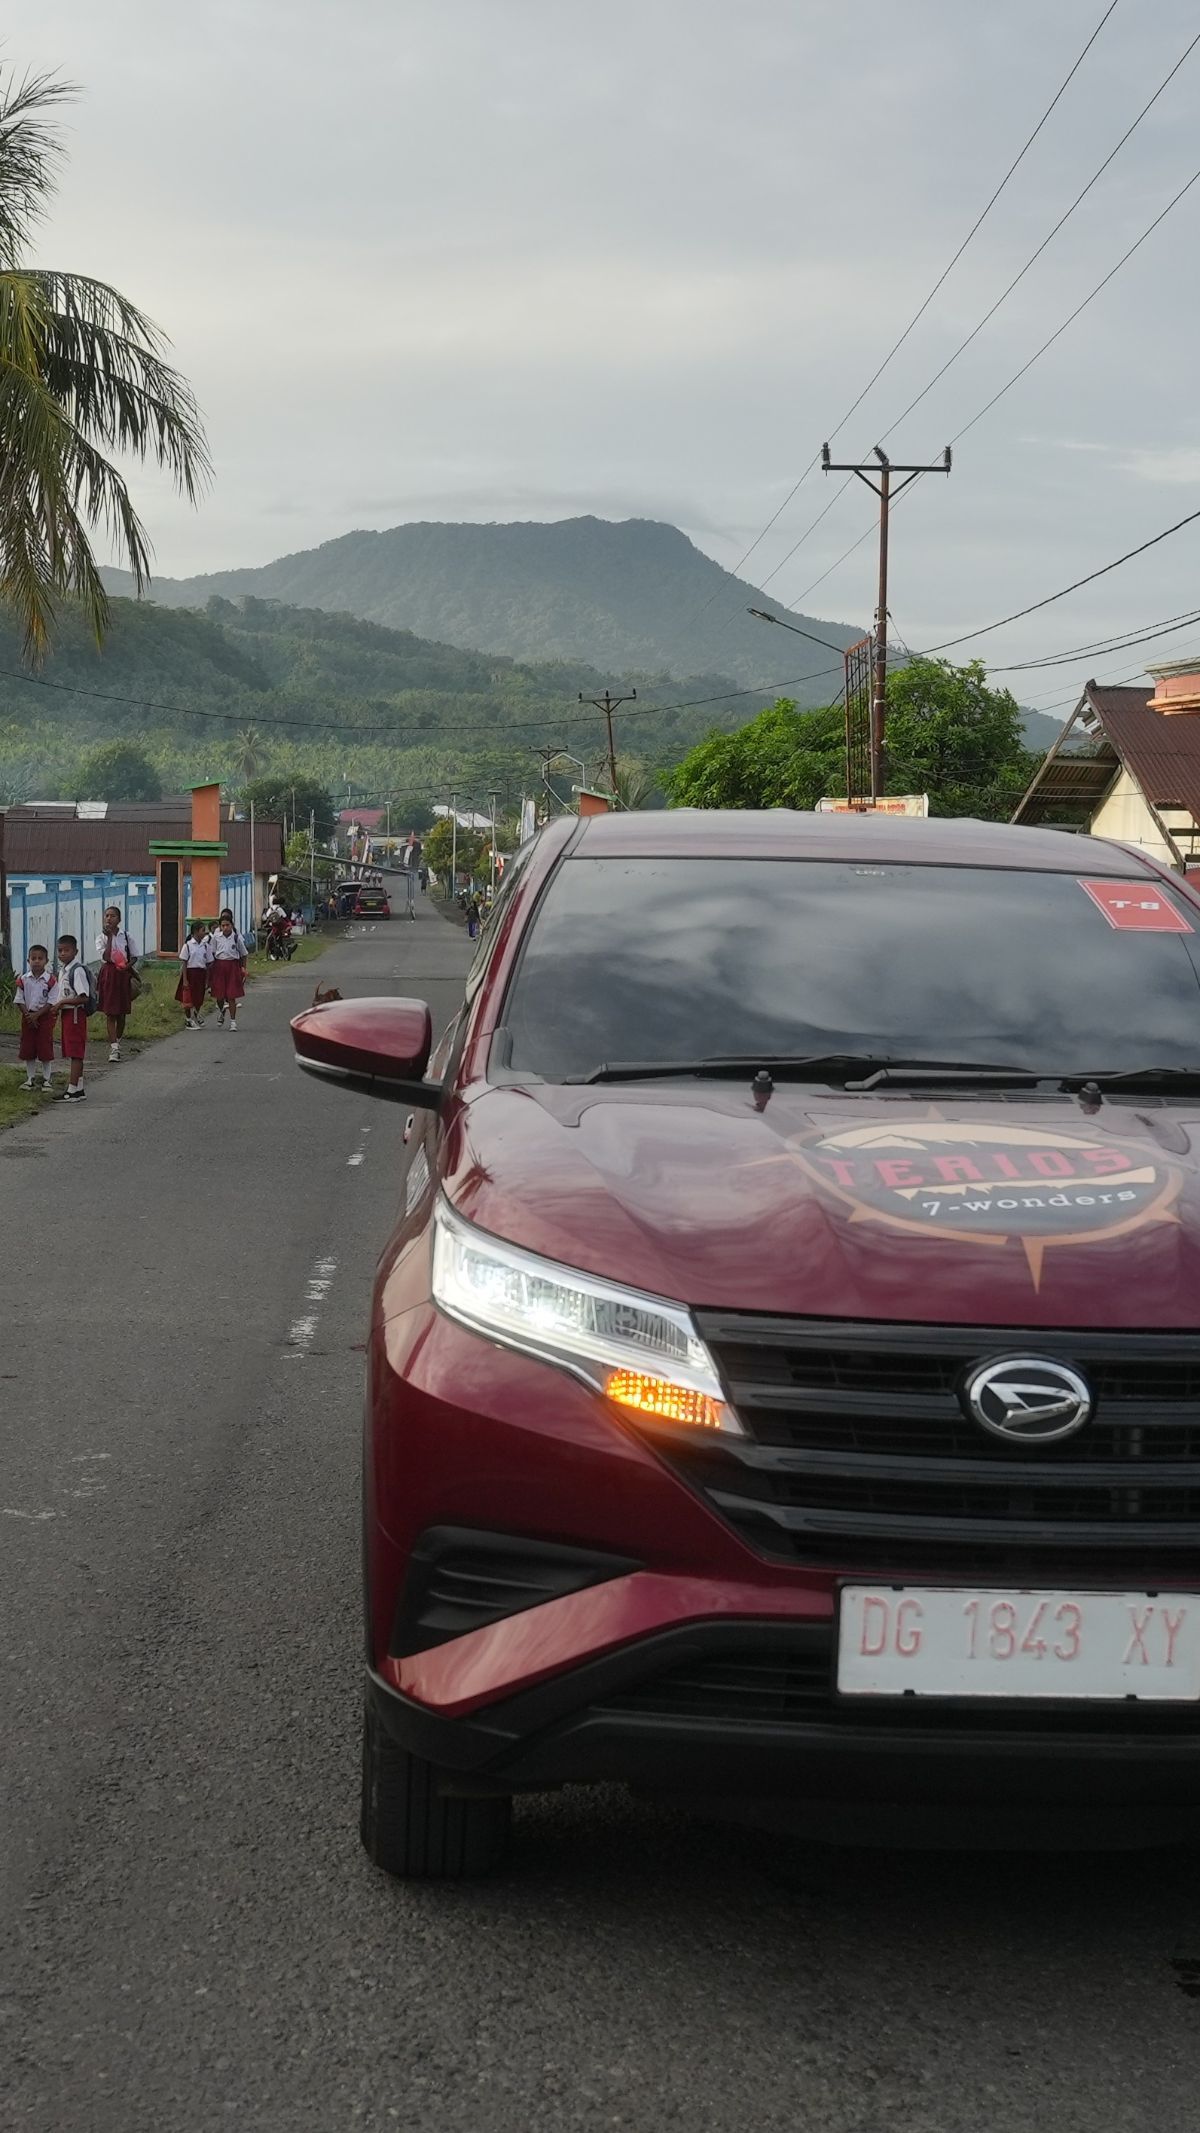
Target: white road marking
{"type": "Point", "coordinates": [360, 1154]}
{"type": "Point", "coordinates": [303, 1331]}
{"type": "Point", "coordinates": [7, 1511]}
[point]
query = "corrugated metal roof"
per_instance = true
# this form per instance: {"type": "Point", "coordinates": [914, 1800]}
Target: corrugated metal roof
{"type": "Point", "coordinates": [47, 839]}
{"type": "Point", "coordinates": [1163, 754]}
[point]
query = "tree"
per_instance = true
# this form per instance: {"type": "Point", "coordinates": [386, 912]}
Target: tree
{"type": "Point", "coordinates": [948, 734]}
{"type": "Point", "coordinates": [250, 745]}
{"type": "Point", "coordinates": [784, 758]}
{"type": "Point", "coordinates": [414, 815]}
{"type": "Point", "coordinates": [118, 771]}
{"type": "Point", "coordinates": [951, 736]}
{"type": "Point", "coordinates": [469, 848]}
{"type": "Point", "coordinates": [82, 373]}
{"type": "Point", "coordinates": [634, 785]}
{"type": "Point", "coordinates": [297, 798]}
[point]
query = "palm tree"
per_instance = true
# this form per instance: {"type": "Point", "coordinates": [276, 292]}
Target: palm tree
{"type": "Point", "coordinates": [82, 373]}
{"type": "Point", "coordinates": [634, 786]}
{"type": "Point", "coordinates": [249, 744]}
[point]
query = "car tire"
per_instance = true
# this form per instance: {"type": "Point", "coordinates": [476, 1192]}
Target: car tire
{"type": "Point", "coordinates": [410, 1830]}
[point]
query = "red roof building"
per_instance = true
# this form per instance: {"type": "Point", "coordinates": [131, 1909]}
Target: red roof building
{"type": "Point", "coordinates": [1122, 770]}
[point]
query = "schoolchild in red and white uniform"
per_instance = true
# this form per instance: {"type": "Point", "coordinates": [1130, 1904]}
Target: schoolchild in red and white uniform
{"type": "Point", "coordinates": [72, 992]}
{"type": "Point", "coordinates": [195, 956]}
{"type": "Point", "coordinates": [114, 982]}
{"type": "Point", "coordinates": [35, 999]}
{"type": "Point", "coordinates": [228, 974]}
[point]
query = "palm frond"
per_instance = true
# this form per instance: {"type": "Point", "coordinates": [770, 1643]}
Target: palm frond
{"type": "Point", "coordinates": [103, 360]}
{"type": "Point", "coordinates": [46, 474]}
{"type": "Point", "coordinates": [29, 152]}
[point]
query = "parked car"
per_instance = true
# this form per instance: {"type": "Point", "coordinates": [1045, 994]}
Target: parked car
{"type": "Point", "coordinates": [784, 1376]}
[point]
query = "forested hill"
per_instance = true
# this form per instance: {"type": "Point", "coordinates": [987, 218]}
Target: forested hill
{"type": "Point", "coordinates": [628, 596]}
{"type": "Point", "coordinates": [325, 693]}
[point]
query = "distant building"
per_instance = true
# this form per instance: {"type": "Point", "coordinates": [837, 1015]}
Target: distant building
{"type": "Point", "coordinates": [61, 863]}
{"type": "Point", "coordinates": [1129, 773]}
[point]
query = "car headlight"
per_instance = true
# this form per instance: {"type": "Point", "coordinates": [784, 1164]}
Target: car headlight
{"type": "Point", "coordinates": [644, 1354]}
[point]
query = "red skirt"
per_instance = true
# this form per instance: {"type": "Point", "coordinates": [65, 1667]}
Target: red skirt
{"type": "Point", "coordinates": [191, 987]}
{"type": "Point", "coordinates": [72, 1024]}
{"type": "Point", "coordinates": [114, 989]}
{"type": "Point", "coordinates": [228, 978]}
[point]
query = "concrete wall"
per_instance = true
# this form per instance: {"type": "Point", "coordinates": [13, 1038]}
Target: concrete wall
{"type": "Point", "coordinates": [40, 907]}
{"type": "Point", "coordinates": [1125, 815]}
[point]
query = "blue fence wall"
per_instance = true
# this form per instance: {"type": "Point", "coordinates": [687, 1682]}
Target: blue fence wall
{"type": "Point", "coordinates": [41, 907]}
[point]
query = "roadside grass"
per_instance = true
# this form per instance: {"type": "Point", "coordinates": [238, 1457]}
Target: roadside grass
{"type": "Point", "coordinates": [15, 1104]}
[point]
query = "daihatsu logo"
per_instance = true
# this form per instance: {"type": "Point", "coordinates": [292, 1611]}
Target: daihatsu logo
{"type": "Point", "coordinates": [1028, 1401]}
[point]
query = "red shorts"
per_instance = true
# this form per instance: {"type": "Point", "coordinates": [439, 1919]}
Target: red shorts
{"type": "Point", "coordinates": [228, 978]}
{"type": "Point", "coordinates": [191, 987]}
{"type": "Point", "coordinates": [72, 1029]}
{"type": "Point", "coordinates": [37, 1041]}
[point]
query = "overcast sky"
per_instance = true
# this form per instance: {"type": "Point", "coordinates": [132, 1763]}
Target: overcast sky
{"type": "Point", "coordinates": [497, 259]}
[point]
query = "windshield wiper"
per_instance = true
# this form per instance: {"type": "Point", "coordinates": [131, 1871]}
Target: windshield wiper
{"type": "Point", "coordinates": [1143, 1077]}
{"type": "Point", "coordinates": [816, 1066]}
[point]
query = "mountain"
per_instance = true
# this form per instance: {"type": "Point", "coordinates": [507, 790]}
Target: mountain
{"type": "Point", "coordinates": [329, 696]}
{"type": "Point", "coordinates": [623, 597]}
{"type": "Point", "coordinates": [1041, 731]}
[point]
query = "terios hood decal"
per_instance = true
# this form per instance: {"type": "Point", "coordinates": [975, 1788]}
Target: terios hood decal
{"type": "Point", "coordinates": [999, 1184]}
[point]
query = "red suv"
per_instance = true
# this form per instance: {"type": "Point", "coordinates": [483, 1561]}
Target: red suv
{"type": "Point", "coordinates": [785, 1373]}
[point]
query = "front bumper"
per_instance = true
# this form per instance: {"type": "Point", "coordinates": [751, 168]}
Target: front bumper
{"type": "Point", "coordinates": [744, 1709]}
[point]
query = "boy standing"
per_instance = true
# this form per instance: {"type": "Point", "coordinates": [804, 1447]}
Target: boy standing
{"type": "Point", "coordinates": [71, 994]}
{"type": "Point", "coordinates": [34, 989]}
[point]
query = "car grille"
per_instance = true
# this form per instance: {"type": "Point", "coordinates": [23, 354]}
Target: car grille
{"type": "Point", "coordinates": [787, 1681]}
{"type": "Point", "coordinates": [860, 1453]}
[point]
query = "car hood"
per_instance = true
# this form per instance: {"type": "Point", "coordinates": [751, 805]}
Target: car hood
{"type": "Point", "coordinates": [1007, 1213]}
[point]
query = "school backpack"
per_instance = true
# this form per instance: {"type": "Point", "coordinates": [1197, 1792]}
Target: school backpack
{"type": "Point", "coordinates": [90, 1006]}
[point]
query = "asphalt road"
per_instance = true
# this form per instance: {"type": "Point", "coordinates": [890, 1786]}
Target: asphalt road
{"type": "Point", "coordinates": [191, 1936]}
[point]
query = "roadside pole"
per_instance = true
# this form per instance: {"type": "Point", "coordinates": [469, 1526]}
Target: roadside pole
{"type": "Point", "coordinates": [877, 474]}
{"type": "Point", "coordinates": [608, 704]}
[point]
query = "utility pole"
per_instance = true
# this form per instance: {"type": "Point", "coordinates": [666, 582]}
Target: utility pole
{"type": "Point", "coordinates": [608, 704]}
{"type": "Point", "coordinates": [492, 799]}
{"type": "Point", "coordinates": [877, 474]}
{"type": "Point", "coordinates": [453, 847]}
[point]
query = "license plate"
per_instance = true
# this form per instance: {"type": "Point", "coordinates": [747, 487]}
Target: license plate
{"type": "Point", "coordinates": [917, 1640]}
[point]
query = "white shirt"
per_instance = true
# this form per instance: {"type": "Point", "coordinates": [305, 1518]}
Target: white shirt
{"type": "Point", "coordinates": [228, 947]}
{"type": "Point", "coordinates": [122, 952]}
{"type": "Point", "coordinates": [34, 992]}
{"type": "Point", "coordinates": [196, 955]}
{"type": "Point", "coordinates": [70, 985]}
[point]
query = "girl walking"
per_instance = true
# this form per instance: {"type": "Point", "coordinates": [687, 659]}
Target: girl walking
{"type": "Point", "coordinates": [118, 969]}
{"type": "Point", "coordinates": [195, 957]}
{"type": "Point", "coordinates": [228, 976]}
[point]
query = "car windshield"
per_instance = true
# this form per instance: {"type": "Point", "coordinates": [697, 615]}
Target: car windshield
{"type": "Point", "coordinates": [657, 960]}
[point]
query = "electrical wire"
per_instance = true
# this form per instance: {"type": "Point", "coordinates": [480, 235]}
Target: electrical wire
{"type": "Point", "coordinates": [1072, 316]}
{"type": "Point", "coordinates": [922, 308]}
{"type": "Point", "coordinates": [1048, 240]}
{"type": "Point", "coordinates": [1005, 388]}
{"type": "Point", "coordinates": [948, 644]}
{"type": "Point", "coordinates": [408, 735]}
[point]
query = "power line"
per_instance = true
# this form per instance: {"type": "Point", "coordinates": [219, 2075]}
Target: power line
{"type": "Point", "coordinates": [1072, 316]}
{"type": "Point", "coordinates": [1048, 240]}
{"type": "Point", "coordinates": [1017, 375]}
{"type": "Point", "coordinates": [922, 308]}
{"type": "Point", "coordinates": [1125, 642]}
{"type": "Point", "coordinates": [391, 732]}
{"type": "Point", "coordinates": [1035, 606]}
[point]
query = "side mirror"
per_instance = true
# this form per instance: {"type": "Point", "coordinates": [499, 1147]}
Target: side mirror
{"type": "Point", "coordinates": [378, 1047]}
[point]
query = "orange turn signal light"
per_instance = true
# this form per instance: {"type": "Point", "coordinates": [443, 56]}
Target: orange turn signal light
{"type": "Point", "coordinates": [668, 1402]}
